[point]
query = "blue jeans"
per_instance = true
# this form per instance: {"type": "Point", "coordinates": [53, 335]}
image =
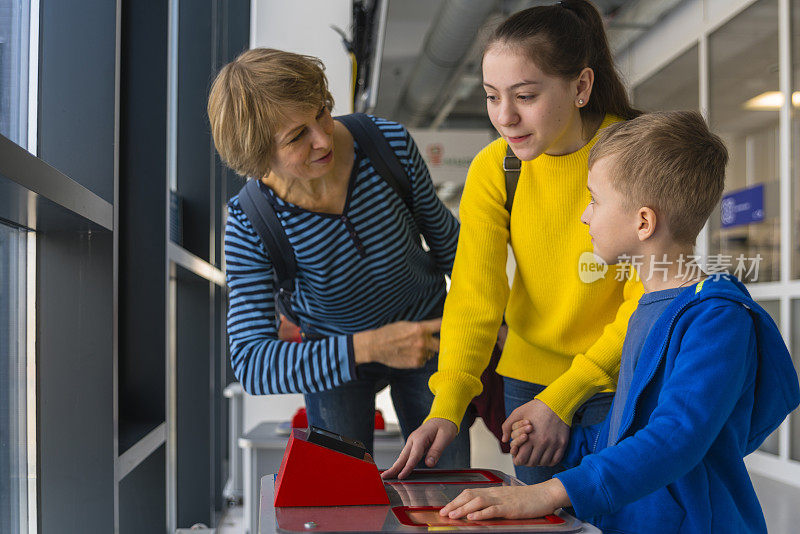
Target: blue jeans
{"type": "Point", "coordinates": [349, 409]}
{"type": "Point", "coordinates": [593, 411]}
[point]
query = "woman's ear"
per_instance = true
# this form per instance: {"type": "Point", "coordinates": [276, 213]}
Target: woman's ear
{"type": "Point", "coordinates": [647, 223]}
{"type": "Point", "coordinates": [585, 82]}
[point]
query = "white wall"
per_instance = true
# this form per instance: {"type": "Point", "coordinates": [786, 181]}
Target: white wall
{"type": "Point", "coordinates": [448, 153]}
{"type": "Point", "coordinates": [305, 27]}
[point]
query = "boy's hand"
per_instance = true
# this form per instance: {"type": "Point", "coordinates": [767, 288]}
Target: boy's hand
{"type": "Point", "coordinates": [546, 443]}
{"type": "Point", "coordinates": [519, 434]}
{"type": "Point", "coordinates": [513, 502]}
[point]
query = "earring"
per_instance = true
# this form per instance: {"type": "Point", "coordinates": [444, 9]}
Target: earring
{"type": "Point", "coordinates": [580, 102]}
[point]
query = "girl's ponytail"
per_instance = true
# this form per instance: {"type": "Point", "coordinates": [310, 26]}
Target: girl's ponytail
{"type": "Point", "coordinates": [609, 94]}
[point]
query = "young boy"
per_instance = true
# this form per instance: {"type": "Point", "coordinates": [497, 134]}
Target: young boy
{"type": "Point", "coordinates": [705, 376]}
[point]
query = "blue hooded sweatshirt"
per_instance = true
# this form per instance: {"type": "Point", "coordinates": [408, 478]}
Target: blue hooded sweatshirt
{"type": "Point", "coordinates": [714, 379]}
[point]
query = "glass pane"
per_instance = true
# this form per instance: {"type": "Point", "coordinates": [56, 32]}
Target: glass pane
{"type": "Point", "coordinates": [675, 86]}
{"type": "Point", "coordinates": [794, 444]}
{"type": "Point", "coordinates": [773, 307]}
{"type": "Point", "coordinates": [14, 48]}
{"type": "Point", "coordinates": [795, 246]}
{"type": "Point", "coordinates": [743, 78]}
{"type": "Point", "coordinates": [13, 440]}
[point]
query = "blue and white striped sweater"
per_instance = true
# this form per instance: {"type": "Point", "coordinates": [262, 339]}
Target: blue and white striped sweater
{"type": "Point", "coordinates": [355, 272]}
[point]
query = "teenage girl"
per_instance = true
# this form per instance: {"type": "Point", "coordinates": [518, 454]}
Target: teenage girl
{"type": "Point", "coordinates": [551, 86]}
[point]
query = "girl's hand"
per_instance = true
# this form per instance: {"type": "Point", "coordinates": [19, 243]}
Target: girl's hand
{"type": "Point", "coordinates": [428, 441]}
{"type": "Point", "coordinates": [512, 502]}
{"type": "Point", "coordinates": [404, 344]}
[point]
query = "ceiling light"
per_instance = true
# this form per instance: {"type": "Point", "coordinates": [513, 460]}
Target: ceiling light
{"type": "Point", "coordinates": [770, 101]}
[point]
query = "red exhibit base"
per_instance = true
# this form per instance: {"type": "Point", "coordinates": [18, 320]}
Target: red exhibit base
{"type": "Point", "coordinates": [428, 516]}
{"type": "Point", "coordinates": [313, 475]}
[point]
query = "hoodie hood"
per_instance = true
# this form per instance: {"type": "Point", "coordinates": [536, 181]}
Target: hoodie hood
{"type": "Point", "coordinates": [777, 390]}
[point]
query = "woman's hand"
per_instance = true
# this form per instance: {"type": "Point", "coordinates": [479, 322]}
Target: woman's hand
{"type": "Point", "coordinates": [512, 502]}
{"type": "Point", "coordinates": [547, 439]}
{"type": "Point", "coordinates": [404, 344]}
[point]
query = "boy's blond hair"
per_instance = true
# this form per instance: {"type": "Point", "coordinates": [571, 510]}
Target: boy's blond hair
{"type": "Point", "coordinates": [249, 99]}
{"type": "Point", "coordinates": [670, 162]}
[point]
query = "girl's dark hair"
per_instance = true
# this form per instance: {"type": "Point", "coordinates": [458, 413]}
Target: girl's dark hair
{"type": "Point", "coordinates": [562, 40]}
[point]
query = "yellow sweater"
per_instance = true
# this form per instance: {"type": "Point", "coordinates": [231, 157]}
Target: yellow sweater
{"type": "Point", "coordinates": [562, 332]}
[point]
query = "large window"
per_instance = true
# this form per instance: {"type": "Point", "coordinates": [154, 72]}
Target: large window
{"type": "Point", "coordinates": [772, 444]}
{"type": "Point", "coordinates": [743, 82]}
{"type": "Point", "coordinates": [794, 449]}
{"type": "Point", "coordinates": [748, 79]}
{"type": "Point", "coordinates": [673, 87]}
{"type": "Point", "coordinates": [13, 390]}
{"type": "Point", "coordinates": [14, 439]}
{"type": "Point", "coordinates": [14, 49]}
{"type": "Point", "coordinates": [795, 148]}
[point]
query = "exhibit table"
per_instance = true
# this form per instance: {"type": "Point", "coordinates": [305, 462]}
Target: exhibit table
{"type": "Point", "coordinates": [413, 507]}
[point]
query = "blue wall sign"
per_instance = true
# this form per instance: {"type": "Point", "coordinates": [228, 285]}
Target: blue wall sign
{"type": "Point", "coordinates": [742, 207]}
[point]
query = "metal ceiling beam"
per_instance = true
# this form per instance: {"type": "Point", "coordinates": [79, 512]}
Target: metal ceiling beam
{"type": "Point", "coordinates": [634, 19]}
{"type": "Point", "coordinates": [449, 39]}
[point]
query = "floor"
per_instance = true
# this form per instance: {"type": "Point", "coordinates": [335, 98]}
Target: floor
{"type": "Point", "coordinates": [780, 502]}
{"type": "Point", "coordinates": [781, 505]}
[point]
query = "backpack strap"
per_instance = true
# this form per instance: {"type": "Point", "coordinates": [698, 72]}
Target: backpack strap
{"type": "Point", "coordinates": [265, 222]}
{"type": "Point", "coordinates": [512, 167]}
{"type": "Point", "coordinates": [370, 138]}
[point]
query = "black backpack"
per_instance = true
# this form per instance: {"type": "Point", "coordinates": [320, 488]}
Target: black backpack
{"type": "Point", "coordinates": [265, 222]}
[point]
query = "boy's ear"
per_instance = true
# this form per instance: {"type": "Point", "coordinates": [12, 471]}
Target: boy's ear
{"type": "Point", "coordinates": [646, 223]}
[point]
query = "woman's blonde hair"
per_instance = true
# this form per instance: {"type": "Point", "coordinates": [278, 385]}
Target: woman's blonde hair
{"type": "Point", "coordinates": [249, 100]}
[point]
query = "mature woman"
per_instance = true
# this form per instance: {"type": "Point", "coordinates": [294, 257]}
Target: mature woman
{"type": "Point", "coordinates": [368, 296]}
{"type": "Point", "coordinates": [551, 86]}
